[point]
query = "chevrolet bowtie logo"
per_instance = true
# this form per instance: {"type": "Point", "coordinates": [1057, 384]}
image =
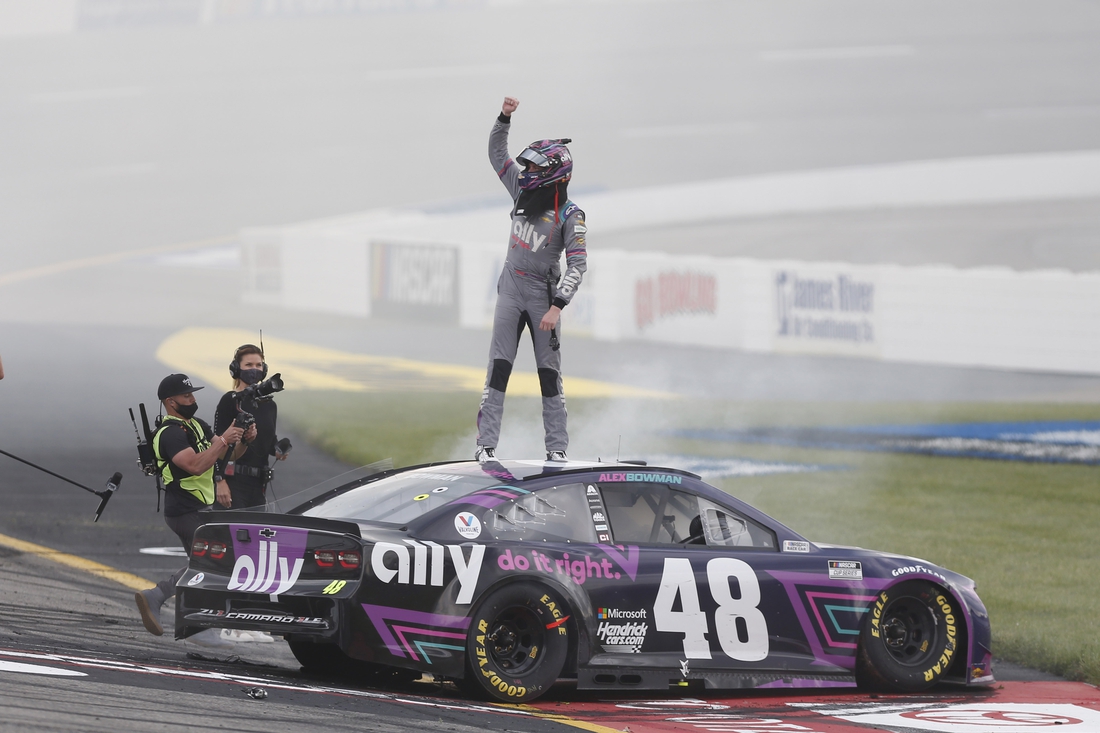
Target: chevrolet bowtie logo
{"type": "Point", "coordinates": [267, 532]}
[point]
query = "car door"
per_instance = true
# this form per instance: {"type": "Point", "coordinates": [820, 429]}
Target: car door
{"type": "Point", "coordinates": [704, 597]}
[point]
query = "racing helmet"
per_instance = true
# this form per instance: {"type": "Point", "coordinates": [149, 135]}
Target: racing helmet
{"type": "Point", "coordinates": [555, 163]}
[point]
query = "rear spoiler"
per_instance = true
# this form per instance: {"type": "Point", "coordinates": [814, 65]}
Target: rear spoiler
{"type": "Point", "coordinates": [283, 520]}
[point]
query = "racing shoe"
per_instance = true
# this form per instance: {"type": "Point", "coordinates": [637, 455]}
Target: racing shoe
{"type": "Point", "coordinates": [557, 456]}
{"type": "Point", "coordinates": [485, 453]}
{"type": "Point", "coordinates": [149, 603]}
{"type": "Point", "coordinates": [211, 639]}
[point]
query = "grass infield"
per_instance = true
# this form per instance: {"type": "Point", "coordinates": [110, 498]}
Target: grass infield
{"type": "Point", "coordinates": [1026, 532]}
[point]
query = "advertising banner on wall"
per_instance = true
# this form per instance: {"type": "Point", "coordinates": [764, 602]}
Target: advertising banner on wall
{"type": "Point", "coordinates": [663, 297]}
{"type": "Point", "coordinates": [825, 309]}
{"type": "Point", "coordinates": [415, 280]}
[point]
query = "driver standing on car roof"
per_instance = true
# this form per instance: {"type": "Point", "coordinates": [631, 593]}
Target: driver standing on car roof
{"type": "Point", "coordinates": [186, 450]}
{"type": "Point", "coordinates": [531, 290]}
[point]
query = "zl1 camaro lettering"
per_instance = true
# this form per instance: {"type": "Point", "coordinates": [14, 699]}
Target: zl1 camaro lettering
{"type": "Point", "coordinates": [748, 644]}
{"type": "Point", "coordinates": [425, 563]}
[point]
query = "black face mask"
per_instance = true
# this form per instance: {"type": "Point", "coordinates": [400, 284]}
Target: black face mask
{"type": "Point", "coordinates": [251, 376]}
{"type": "Point", "coordinates": [187, 411]}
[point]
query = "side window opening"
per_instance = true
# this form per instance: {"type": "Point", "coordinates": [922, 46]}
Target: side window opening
{"type": "Point", "coordinates": [649, 513]}
{"type": "Point", "coordinates": [721, 527]}
{"type": "Point", "coordinates": [559, 513]}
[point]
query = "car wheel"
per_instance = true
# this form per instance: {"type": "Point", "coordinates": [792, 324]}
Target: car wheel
{"type": "Point", "coordinates": [517, 643]}
{"type": "Point", "coordinates": [329, 659]}
{"type": "Point", "coordinates": [909, 639]}
{"type": "Point", "coordinates": [319, 657]}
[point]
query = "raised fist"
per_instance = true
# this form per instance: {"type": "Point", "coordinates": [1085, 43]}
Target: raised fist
{"type": "Point", "coordinates": [509, 106]}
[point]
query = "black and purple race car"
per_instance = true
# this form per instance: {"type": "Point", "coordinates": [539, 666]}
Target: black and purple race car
{"type": "Point", "coordinates": [505, 576]}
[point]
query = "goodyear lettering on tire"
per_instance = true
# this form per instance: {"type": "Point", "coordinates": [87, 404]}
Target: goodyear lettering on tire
{"type": "Point", "coordinates": [509, 689]}
{"type": "Point", "coordinates": [944, 662]}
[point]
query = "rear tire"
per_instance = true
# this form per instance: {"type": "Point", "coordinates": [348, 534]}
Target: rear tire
{"type": "Point", "coordinates": [909, 639]}
{"type": "Point", "coordinates": [329, 659]}
{"type": "Point", "coordinates": [517, 643]}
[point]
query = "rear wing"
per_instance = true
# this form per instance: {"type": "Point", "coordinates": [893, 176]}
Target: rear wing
{"type": "Point", "coordinates": [283, 520]}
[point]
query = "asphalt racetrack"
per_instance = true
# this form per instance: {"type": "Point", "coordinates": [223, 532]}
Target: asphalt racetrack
{"type": "Point", "coordinates": [133, 157]}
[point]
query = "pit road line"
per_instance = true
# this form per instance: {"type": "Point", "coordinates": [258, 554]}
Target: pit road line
{"type": "Point", "coordinates": [129, 580]}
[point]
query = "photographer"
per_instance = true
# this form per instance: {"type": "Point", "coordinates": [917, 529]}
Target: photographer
{"type": "Point", "coordinates": [241, 481]}
{"type": "Point", "coordinates": [186, 450]}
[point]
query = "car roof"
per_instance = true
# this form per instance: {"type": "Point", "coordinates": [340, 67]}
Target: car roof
{"type": "Point", "coordinates": [523, 470]}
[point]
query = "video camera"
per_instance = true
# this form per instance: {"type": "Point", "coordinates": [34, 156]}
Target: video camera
{"type": "Point", "coordinates": [261, 390]}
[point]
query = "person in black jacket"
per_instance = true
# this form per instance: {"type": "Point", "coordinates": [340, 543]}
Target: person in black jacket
{"type": "Point", "coordinates": [242, 482]}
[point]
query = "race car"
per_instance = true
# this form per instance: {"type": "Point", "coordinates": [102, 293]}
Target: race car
{"type": "Point", "coordinates": [506, 576]}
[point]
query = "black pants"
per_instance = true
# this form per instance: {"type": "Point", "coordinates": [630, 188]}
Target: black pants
{"type": "Point", "coordinates": [184, 526]}
{"type": "Point", "coordinates": [247, 493]}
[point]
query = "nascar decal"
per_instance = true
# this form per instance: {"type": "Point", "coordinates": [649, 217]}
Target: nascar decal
{"type": "Point", "coordinates": [573, 565]}
{"type": "Point", "coordinates": [427, 563]}
{"type": "Point", "coordinates": [846, 569]}
{"type": "Point", "coordinates": [417, 634]}
{"type": "Point", "coordinates": [269, 561]}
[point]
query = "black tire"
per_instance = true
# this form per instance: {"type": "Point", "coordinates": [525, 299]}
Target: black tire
{"type": "Point", "coordinates": [909, 639]}
{"type": "Point", "coordinates": [320, 657]}
{"type": "Point", "coordinates": [517, 643]}
{"type": "Point", "coordinates": [329, 659]}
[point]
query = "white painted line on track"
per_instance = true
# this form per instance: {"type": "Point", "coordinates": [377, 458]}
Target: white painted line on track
{"type": "Point", "coordinates": [21, 668]}
{"type": "Point", "coordinates": [838, 53]}
{"type": "Point", "coordinates": [165, 551]}
{"type": "Point", "coordinates": [267, 682]}
{"type": "Point", "coordinates": [87, 95]}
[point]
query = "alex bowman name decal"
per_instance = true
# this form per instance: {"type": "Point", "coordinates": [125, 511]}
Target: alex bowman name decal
{"type": "Point", "coordinates": [270, 565]}
{"type": "Point", "coordinates": [428, 566]}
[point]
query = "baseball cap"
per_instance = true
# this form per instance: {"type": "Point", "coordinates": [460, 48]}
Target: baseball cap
{"type": "Point", "coordinates": [175, 384]}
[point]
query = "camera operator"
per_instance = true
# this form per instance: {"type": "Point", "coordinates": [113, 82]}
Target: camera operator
{"type": "Point", "coordinates": [242, 481]}
{"type": "Point", "coordinates": [186, 449]}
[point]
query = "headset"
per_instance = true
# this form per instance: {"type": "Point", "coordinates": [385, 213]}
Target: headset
{"type": "Point", "coordinates": [235, 365]}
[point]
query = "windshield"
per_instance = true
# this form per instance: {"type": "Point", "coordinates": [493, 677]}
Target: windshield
{"type": "Point", "coordinates": [402, 498]}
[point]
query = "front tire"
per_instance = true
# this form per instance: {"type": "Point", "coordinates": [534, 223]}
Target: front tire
{"type": "Point", "coordinates": [909, 639]}
{"type": "Point", "coordinates": [517, 643]}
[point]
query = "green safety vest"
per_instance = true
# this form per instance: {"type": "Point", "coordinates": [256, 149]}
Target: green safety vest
{"type": "Point", "coordinates": [201, 486]}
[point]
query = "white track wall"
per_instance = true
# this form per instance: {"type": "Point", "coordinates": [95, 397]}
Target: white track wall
{"type": "Point", "coordinates": [991, 317]}
{"type": "Point", "coordinates": [445, 266]}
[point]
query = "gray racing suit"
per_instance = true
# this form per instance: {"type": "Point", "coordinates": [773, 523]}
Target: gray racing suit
{"type": "Point", "coordinates": [530, 283]}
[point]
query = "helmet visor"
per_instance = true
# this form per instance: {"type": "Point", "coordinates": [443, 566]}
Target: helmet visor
{"type": "Point", "coordinates": [530, 155]}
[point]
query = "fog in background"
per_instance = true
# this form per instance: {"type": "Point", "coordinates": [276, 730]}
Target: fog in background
{"type": "Point", "coordinates": [157, 124]}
